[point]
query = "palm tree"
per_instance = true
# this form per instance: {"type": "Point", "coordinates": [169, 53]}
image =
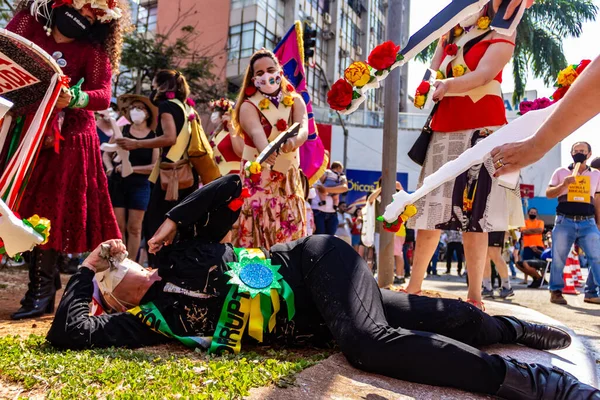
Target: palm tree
{"type": "Point", "coordinates": [538, 46]}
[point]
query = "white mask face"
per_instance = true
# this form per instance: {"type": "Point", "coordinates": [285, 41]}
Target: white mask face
{"type": "Point", "coordinates": [268, 83]}
{"type": "Point", "coordinates": [137, 116]}
{"type": "Point", "coordinates": [215, 117]}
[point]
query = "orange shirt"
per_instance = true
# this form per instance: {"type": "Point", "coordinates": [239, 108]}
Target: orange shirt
{"type": "Point", "coordinates": [534, 240]}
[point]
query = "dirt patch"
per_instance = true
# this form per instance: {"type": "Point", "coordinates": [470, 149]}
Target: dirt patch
{"type": "Point", "coordinates": [13, 285]}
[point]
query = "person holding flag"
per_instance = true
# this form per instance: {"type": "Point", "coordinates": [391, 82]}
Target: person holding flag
{"type": "Point", "coordinates": [266, 106]}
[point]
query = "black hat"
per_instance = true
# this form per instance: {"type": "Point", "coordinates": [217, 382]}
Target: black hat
{"type": "Point", "coordinates": [211, 211]}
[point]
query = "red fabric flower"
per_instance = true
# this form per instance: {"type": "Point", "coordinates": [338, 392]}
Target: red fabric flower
{"type": "Point", "coordinates": [582, 65]}
{"type": "Point", "coordinates": [340, 95]}
{"type": "Point", "coordinates": [170, 95]}
{"type": "Point", "coordinates": [235, 204]}
{"type": "Point", "coordinates": [560, 93]}
{"type": "Point", "coordinates": [384, 55]}
{"type": "Point", "coordinates": [250, 90]}
{"type": "Point", "coordinates": [59, 3]}
{"type": "Point", "coordinates": [281, 125]}
{"type": "Point", "coordinates": [424, 87]}
{"type": "Point", "coordinates": [290, 87]}
{"type": "Point", "coordinates": [245, 193]}
{"type": "Point", "coordinates": [190, 102]}
{"type": "Point", "coordinates": [451, 49]}
{"type": "Point", "coordinates": [255, 178]}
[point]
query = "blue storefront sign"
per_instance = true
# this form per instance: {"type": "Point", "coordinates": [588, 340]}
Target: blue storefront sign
{"type": "Point", "coordinates": [361, 182]}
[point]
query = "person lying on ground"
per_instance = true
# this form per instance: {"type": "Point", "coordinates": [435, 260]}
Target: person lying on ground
{"type": "Point", "coordinates": [335, 300]}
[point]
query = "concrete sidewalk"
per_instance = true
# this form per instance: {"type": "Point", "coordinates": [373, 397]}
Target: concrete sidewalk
{"type": "Point", "coordinates": [334, 378]}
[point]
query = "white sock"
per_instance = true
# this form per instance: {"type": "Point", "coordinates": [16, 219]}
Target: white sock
{"type": "Point", "coordinates": [506, 283]}
{"type": "Point", "coordinates": [487, 283]}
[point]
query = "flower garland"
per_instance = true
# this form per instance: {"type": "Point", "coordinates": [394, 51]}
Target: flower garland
{"type": "Point", "coordinates": [348, 93]}
{"type": "Point", "coordinates": [38, 224]}
{"type": "Point", "coordinates": [395, 226]}
{"type": "Point", "coordinates": [222, 105]}
{"type": "Point", "coordinates": [564, 81]}
{"type": "Point", "coordinates": [105, 10]}
{"type": "Point", "coordinates": [253, 170]}
{"type": "Point", "coordinates": [421, 94]}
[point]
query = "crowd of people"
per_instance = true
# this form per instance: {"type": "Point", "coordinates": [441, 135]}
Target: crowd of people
{"type": "Point", "coordinates": [195, 238]}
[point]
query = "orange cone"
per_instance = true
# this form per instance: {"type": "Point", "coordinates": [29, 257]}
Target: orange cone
{"type": "Point", "coordinates": [568, 278]}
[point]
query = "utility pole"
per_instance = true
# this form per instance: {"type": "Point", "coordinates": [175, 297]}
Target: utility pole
{"type": "Point", "coordinates": [385, 266]}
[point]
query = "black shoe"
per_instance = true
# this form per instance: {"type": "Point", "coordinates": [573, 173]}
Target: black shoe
{"type": "Point", "coordinates": [44, 281]}
{"type": "Point", "coordinates": [537, 336]}
{"type": "Point", "coordinates": [535, 381]}
{"type": "Point", "coordinates": [398, 280]}
{"type": "Point", "coordinates": [537, 283]}
{"type": "Point", "coordinates": [407, 275]}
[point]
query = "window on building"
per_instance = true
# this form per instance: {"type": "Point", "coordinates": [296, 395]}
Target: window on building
{"type": "Point", "coordinates": [245, 39]}
{"type": "Point", "coordinates": [144, 15]}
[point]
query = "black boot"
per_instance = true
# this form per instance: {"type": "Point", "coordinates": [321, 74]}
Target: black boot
{"type": "Point", "coordinates": [535, 381]}
{"type": "Point", "coordinates": [537, 336]}
{"type": "Point", "coordinates": [44, 280]}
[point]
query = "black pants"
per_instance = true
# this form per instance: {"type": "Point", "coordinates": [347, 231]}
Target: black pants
{"type": "Point", "coordinates": [408, 337]}
{"type": "Point", "coordinates": [452, 248]}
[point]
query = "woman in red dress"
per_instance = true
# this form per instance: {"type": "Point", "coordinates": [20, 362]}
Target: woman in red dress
{"type": "Point", "coordinates": [69, 187]}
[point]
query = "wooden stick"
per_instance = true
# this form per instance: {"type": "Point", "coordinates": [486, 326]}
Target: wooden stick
{"type": "Point", "coordinates": [576, 169]}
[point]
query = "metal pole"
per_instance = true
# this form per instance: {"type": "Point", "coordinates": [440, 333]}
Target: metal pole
{"type": "Point", "coordinates": [385, 266]}
{"type": "Point", "coordinates": [345, 161]}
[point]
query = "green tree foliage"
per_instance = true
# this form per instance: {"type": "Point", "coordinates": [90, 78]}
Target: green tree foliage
{"type": "Point", "coordinates": [177, 48]}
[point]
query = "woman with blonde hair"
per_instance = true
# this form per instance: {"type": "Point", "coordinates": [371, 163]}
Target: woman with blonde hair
{"type": "Point", "coordinates": [267, 104]}
{"type": "Point", "coordinates": [470, 107]}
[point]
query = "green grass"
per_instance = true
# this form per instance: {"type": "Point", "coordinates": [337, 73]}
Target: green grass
{"type": "Point", "coordinates": [151, 373]}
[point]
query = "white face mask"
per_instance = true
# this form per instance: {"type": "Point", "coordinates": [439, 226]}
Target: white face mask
{"type": "Point", "coordinates": [268, 83]}
{"type": "Point", "coordinates": [215, 117]}
{"type": "Point", "coordinates": [137, 116]}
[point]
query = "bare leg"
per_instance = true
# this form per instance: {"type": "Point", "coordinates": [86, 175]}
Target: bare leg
{"type": "Point", "coordinates": [121, 215]}
{"type": "Point", "coordinates": [476, 256]}
{"type": "Point", "coordinates": [426, 244]}
{"type": "Point", "coordinates": [134, 232]}
{"type": "Point", "coordinates": [495, 254]}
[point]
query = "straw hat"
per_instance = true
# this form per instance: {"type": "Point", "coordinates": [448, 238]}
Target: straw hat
{"type": "Point", "coordinates": [124, 101]}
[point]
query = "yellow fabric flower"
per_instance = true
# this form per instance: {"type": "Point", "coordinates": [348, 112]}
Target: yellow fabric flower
{"type": "Point", "coordinates": [458, 70]}
{"type": "Point", "coordinates": [36, 220]}
{"type": "Point", "coordinates": [567, 76]}
{"type": "Point", "coordinates": [439, 75]}
{"type": "Point", "coordinates": [410, 211]}
{"type": "Point", "coordinates": [419, 101]}
{"type": "Point", "coordinates": [458, 30]}
{"type": "Point", "coordinates": [358, 74]}
{"type": "Point", "coordinates": [484, 22]}
{"type": "Point", "coordinates": [264, 104]}
{"type": "Point", "coordinates": [288, 101]}
{"type": "Point", "coordinates": [254, 168]}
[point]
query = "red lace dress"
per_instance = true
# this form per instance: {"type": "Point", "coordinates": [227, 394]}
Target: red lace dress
{"type": "Point", "coordinates": [70, 188]}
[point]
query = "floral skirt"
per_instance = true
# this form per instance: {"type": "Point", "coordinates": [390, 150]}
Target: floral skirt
{"type": "Point", "coordinates": [274, 213]}
{"type": "Point", "coordinates": [473, 202]}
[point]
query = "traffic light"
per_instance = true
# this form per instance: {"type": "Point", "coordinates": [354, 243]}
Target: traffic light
{"type": "Point", "coordinates": [309, 37]}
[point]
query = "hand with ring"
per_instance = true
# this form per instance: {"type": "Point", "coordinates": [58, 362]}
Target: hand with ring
{"type": "Point", "coordinates": [514, 156]}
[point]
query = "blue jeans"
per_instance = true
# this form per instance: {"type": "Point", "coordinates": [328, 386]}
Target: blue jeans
{"type": "Point", "coordinates": [325, 223]}
{"type": "Point", "coordinates": [565, 233]}
{"type": "Point", "coordinates": [591, 289]}
{"type": "Point", "coordinates": [434, 260]}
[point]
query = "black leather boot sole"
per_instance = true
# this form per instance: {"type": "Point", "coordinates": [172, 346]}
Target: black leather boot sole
{"type": "Point", "coordinates": [534, 381]}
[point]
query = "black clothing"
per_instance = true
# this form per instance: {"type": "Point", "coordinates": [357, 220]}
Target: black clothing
{"type": "Point", "coordinates": [139, 157]}
{"type": "Point", "coordinates": [496, 239]}
{"type": "Point", "coordinates": [169, 107]}
{"type": "Point", "coordinates": [454, 247]}
{"type": "Point", "coordinates": [335, 297]}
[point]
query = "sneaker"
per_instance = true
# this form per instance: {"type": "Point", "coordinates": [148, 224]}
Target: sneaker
{"type": "Point", "coordinates": [592, 300]}
{"type": "Point", "coordinates": [398, 280]}
{"type": "Point", "coordinates": [556, 297]}
{"type": "Point", "coordinates": [487, 294]}
{"type": "Point", "coordinates": [504, 292]}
